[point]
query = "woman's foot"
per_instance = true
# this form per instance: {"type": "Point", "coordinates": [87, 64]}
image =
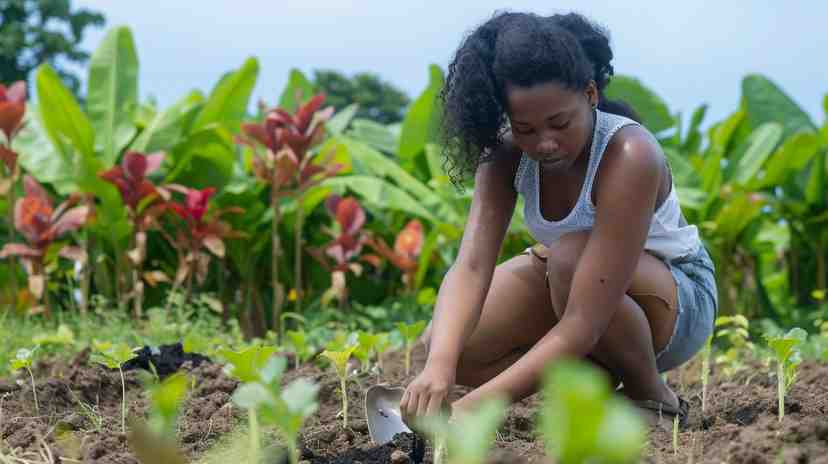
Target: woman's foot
{"type": "Point", "coordinates": [660, 412]}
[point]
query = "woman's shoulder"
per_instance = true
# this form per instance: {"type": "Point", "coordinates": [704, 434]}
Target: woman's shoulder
{"type": "Point", "coordinates": [632, 154]}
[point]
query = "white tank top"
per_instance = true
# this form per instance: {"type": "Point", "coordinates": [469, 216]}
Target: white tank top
{"type": "Point", "coordinates": [669, 236]}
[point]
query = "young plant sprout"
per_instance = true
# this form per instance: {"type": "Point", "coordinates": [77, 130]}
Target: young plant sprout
{"type": "Point", "coordinates": [582, 421]}
{"type": "Point", "coordinates": [245, 365]}
{"type": "Point", "coordinates": [23, 360]}
{"type": "Point", "coordinates": [410, 332]}
{"type": "Point", "coordinates": [734, 329]}
{"type": "Point", "coordinates": [705, 374]}
{"type": "Point", "coordinates": [114, 357]}
{"type": "Point", "coordinates": [383, 344]}
{"type": "Point", "coordinates": [298, 340]}
{"type": "Point", "coordinates": [367, 348]}
{"type": "Point", "coordinates": [286, 409]}
{"type": "Point", "coordinates": [468, 437]}
{"type": "Point", "coordinates": [340, 361]}
{"type": "Point", "coordinates": [785, 348]}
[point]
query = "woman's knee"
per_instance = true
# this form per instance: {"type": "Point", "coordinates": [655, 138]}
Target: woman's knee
{"type": "Point", "coordinates": [561, 263]}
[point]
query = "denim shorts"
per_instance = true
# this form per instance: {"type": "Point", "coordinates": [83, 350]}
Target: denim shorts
{"type": "Point", "coordinates": [698, 304]}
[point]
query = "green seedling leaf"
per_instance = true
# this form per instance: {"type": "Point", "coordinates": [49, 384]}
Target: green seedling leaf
{"type": "Point", "coordinates": [784, 345]}
{"type": "Point", "coordinates": [469, 436]}
{"type": "Point", "coordinates": [63, 336]}
{"type": "Point", "coordinates": [113, 356]}
{"type": "Point", "coordinates": [272, 372]}
{"type": "Point", "coordinates": [410, 332]}
{"type": "Point", "coordinates": [253, 395]}
{"type": "Point", "coordinates": [245, 365]}
{"type": "Point", "coordinates": [23, 359]}
{"type": "Point", "coordinates": [195, 343]}
{"type": "Point", "coordinates": [579, 413]}
{"type": "Point", "coordinates": [298, 340]}
{"type": "Point", "coordinates": [165, 399]}
{"type": "Point", "coordinates": [340, 360]}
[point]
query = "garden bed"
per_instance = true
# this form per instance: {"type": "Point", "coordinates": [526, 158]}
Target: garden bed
{"type": "Point", "coordinates": [80, 418]}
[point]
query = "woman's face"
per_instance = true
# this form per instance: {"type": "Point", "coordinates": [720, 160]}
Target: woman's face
{"type": "Point", "coordinates": [551, 123]}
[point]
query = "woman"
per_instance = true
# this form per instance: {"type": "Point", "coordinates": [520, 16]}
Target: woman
{"type": "Point", "coordinates": [618, 276]}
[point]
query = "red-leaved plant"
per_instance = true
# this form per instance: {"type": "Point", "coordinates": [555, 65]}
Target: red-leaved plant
{"type": "Point", "coordinates": [290, 168]}
{"type": "Point", "coordinates": [145, 202]}
{"type": "Point", "coordinates": [405, 254]}
{"type": "Point", "coordinates": [12, 111]}
{"type": "Point", "coordinates": [200, 231]}
{"type": "Point", "coordinates": [42, 225]}
{"type": "Point", "coordinates": [345, 248]}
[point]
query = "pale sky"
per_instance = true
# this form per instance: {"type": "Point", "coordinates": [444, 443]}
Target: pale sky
{"type": "Point", "coordinates": [688, 52]}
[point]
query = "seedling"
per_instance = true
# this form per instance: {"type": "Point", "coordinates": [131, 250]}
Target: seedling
{"type": "Point", "coordinates": [734, 329]}
{"type": "Point", "coordinates": [382, 345]}
{"type": "Point", "coordinates": [165, 398]}
{"type": "Point", "coordinates": [63, 336]}
{"type": "Point", "coordinates": [367, 348]}
{"type": "Point", "coordinates": [785, 348]}
{"type": "Point", "coordinates": [340, 361]}
{"type": "Point", "coordinates": [23, 360]}
{"type": "Point", "coordinates": [705, 374]}
{"type": "Point", "coordinates": [114, 357]}
{"type": "Point", "coordinates": [286, 409]}
{"type": "Point", "coordinates": [301, 346]}
{"type": "Point", "coordinates": [468, 437]}
{"type": "Point", "coordinates": [410, 332]}
{"type": "Point", "coordinates": [245, 365]}
{"type": "Point", "coordinates": [581, 420]}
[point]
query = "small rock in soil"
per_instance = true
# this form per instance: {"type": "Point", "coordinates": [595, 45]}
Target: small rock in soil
{"type": "Point", "coordinates": [8, 387]}
{"type": "Point", "coordinates": [398, 457]}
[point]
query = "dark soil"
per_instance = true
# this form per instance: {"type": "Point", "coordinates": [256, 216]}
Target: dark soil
{"type": "Point", "coordinates": [80, 418]}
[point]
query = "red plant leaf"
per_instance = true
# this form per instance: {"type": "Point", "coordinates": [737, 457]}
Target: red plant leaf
{"type": "Point", "coordinates": [33, 189]}
{"type": "Point", "coordinates": [19, 249]}
{"type": "Point", "coordinates": [350, 215]}
{"type": "Point", "coordinates": [197, 202]}
{"type": "Point", "coordinates": [134, 165]}
{"type": "Point", "coordinates": [304, 116]}
{"type": "Point", "coordinates": [73, 253]}
{"type": "Point", "coordinates": [17, 92]}
{"type": "Point", "coordinates": [73, 219]}
{"type": "Point", "coordinates": [286, 165]}
{"type": "Point", "coordinates": [32, 216]}
{"type": "Point", "coordinates": [154, 161]}
{"type": "Point", "coordinates": [11, 115]}
{"type": "Point", "coordinates": [331, 204]}
{"type": "Point", "coordinates": [409, 241]}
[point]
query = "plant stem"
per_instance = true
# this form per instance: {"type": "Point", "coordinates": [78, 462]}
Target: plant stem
{"type": "Point", "coordinates": [10, 211]}
{"type": "Point", "coordinates": [407, 359]}
{"type": "Point", "coordinates": [254, 436]}
{"type": "Point", "coordinates": [86, 278]}
{"type": "Point", "coordinates": [675, 434]}
{"type": "Point", "coordinates": [34, 390]}
{"type": "Point", "coordinates": [293, 453]}
{"type": "Point", "coordinates": [820, 263]}
{"type": "Point", "coordinates": [123, 401]}
{"type": "Point", "coordinates": [274, 262]}
{"type": "Point", "coordinates": [780, 384]}
{"type": "Point", "coordinates": [705, 371]}
{"type": "Point", "coordinates": [297, 258]}
{"type": "Point", "coordinates": [343, 386]}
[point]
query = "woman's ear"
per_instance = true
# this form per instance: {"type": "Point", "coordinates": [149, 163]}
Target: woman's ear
{"type": "Point", "coordinates": [591, 93]}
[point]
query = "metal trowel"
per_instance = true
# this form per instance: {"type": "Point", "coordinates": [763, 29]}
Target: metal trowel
{"type": "Point", "coordinates": [382, 411]}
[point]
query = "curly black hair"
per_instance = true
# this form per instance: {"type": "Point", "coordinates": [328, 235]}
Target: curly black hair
{"type": "Point", "coordinates": [522, 49]}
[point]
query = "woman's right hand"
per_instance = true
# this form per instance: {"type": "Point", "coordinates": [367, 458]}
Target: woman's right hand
{"type": "Point", "coordinates": [428, 393]}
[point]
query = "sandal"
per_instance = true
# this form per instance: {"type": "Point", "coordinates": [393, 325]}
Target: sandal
{"type": "Point", "coordinates": [664, 409]}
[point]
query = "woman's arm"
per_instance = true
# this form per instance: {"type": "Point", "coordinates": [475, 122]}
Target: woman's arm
{"type": "Point", "coordinates": [630, 174]}
{"type": "Point", "coordinates": [464, 287]}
